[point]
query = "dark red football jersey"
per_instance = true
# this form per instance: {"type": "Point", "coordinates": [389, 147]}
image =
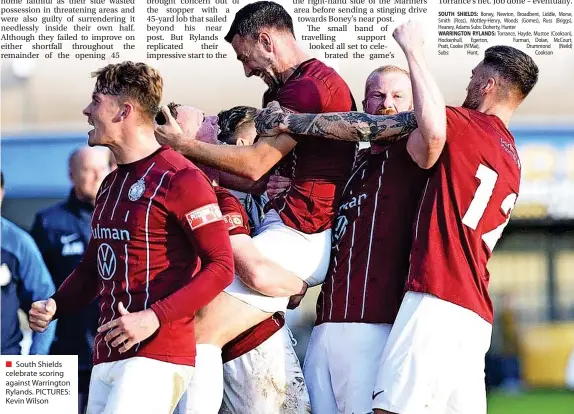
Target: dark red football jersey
{"type": "Point", "coordinates": [153, 220]}
{"type": "Point", "coordinates": [372, 239]}
{"type": "Point", "coordinates": [464, 209]}
{"type": "Point", "coordinates": [318, 167]}
{"type": "Point", "coordinates": [234, 215]}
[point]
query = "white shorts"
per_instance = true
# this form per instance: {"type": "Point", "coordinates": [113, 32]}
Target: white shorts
{"type": "Point", "coordinates": [341, 366]}
{"type": "Point", "coordinates": [137, 385]}
{"type": "Point", "coordinates": [205, 391]}
{"type": "Point", "coordinates": [434, 359]}
{"type": "Point", "coordinates": [305, 255]}
{"type": "Point", "coordinates": [266, 380]}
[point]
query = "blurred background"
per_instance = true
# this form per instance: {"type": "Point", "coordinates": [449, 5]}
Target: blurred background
{"type": "Point", "coordinates": [532, 270]}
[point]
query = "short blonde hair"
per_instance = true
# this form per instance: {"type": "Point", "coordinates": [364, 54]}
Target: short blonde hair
{"type": "Point", "coordinates": [134, 81]}
{"type": "Point", "coordinates": [385, 69]}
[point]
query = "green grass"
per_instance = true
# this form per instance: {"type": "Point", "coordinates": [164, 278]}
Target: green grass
{"type": "Point", "coordinates": [532, 402]}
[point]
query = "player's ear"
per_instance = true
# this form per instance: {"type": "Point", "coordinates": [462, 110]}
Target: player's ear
{"type": "Point", "coordinates": [266, 41]}
{"type": "Point", "coordinates": [488, 86]}
{"type": "Point", "coordinates": [126, 110]}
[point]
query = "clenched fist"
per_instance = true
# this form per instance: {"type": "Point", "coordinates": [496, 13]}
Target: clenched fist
{"type": "Point", "coordinates": [410, 36]}
{"type": "Point", "coordinates": [41, 314]}
{"type": "Point", "coordinates": [270, 121]}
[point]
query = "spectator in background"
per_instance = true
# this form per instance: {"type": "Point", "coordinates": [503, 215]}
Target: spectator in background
{"type": "Point", "coordinates": [510, 366]}
{"type": "Point", "coordinates": [237, 127]}
{"type": "Point", "coordinates": [62, 232]}
{"type": "Point", "coordinates": [24, 279]}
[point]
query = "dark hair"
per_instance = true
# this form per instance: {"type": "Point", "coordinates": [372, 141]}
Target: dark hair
{"type": "Point", "coordinates": [250, 19]}
{"type": "Point", "coordinates": [1, 179]}
{"type": "Point", "coordinates": [231, 119]}
{"type": "Point", "coordinates": [160, 117]}
{"type": "Point", "coordinates": [514, 66]}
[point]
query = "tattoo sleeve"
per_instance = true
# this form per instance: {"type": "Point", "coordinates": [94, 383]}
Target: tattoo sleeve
{"type": "Point", "coordinates": [353, 126]}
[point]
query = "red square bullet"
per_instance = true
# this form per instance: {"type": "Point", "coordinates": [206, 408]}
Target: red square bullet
{"type": "Point", "coordinates": [8, 364]}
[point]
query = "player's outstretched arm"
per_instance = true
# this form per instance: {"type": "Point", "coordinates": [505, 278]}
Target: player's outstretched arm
{"type": "Point", "coordinates": [426, 144]}
{"type": "Point", "coordinates": [249, 161]}
{"type": "Point", "coordinates": [261, 274]}
{"type": "Point", "coordinates": [342, 126]}
{"type": "Point", "coordinates": [245, 185]}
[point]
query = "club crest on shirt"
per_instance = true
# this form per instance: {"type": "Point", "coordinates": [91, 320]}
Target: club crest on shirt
{"type": "Point", "coordinates": [136, 190]}
{"type": "Point", "coordinates": [203, 215]}
{"type": "Point", "coordinates": [233, 221]}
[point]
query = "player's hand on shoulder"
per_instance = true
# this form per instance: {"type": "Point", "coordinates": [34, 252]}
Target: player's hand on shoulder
{"type": "Point", "coordinates": [270, 121]}
{"type": "Point", "coordinates": [410, 36]}
{"type": "Point", "coordinates": [276, 185]}
{"type": "Point", "coordinates": [41, 314]}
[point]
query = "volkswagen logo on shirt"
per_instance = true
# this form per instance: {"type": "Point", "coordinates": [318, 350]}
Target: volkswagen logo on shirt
{"type": "Point", "coordinates": [106, 261]}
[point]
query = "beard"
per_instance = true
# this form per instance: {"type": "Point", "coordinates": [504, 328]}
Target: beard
{"type": "Point", "coordinates": [269, 75]}
{"type": "Point", "coordinates": [472, 100]}
{"type": "Point", "coordinates": [386, 111]}
{"type": "Point", "coordinates": [270, 79]}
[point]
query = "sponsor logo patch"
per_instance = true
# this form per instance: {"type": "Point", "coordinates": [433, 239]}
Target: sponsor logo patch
{"type": "Point", "coordinates": [233, 221]}
{"type": "Point", "coordinates": [106, 261]}
{"type": "Point", "coordinates": [203, 215]}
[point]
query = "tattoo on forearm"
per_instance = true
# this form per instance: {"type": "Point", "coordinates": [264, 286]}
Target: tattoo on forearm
{"type": "Point", "coordinates": [269, 122]}
{"type": "Point", "coordinates": [353, 126]}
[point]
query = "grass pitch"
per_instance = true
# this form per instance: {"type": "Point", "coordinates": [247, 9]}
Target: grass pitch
{"type": "Point", "coordinates": [532, 402]}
